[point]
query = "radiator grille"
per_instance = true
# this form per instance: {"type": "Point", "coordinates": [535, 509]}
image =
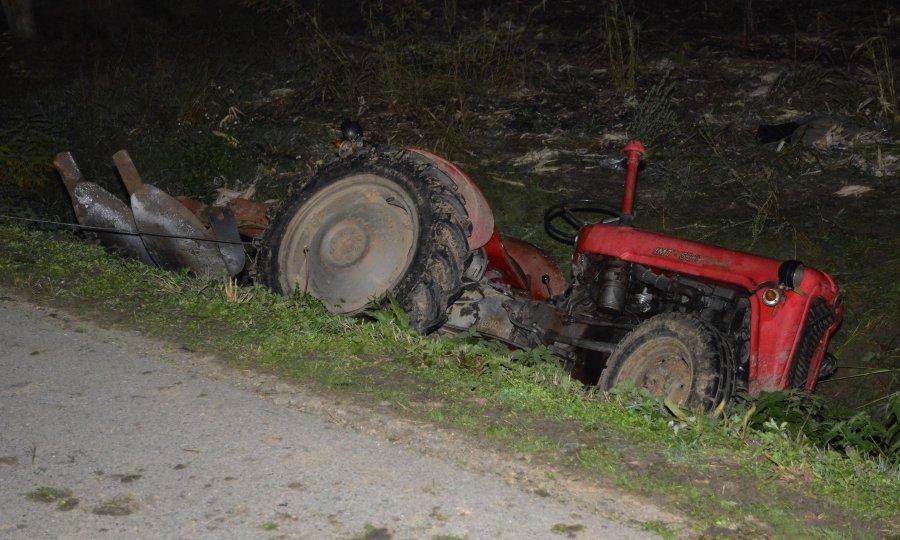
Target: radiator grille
{"type": "Point", "coordinates": [818, 322]}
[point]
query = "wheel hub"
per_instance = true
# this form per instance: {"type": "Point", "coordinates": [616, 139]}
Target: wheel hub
{"type": "Point", "coordinates": [344, 244]}
{"type": "Point", "coordinates": [661, 366]}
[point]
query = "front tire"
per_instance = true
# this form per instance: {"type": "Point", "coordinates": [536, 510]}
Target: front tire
{"type": "Point", "coordinates": [678, 357]}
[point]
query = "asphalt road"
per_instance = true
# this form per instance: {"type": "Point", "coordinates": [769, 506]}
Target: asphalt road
{"type": "Point", "coordinates": [142, 448]}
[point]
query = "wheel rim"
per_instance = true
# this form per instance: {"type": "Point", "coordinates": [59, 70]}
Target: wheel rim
{"type": "Point", "coordinates": [350, 242]}
{"type": "Point", "coordinates": [663, 367]}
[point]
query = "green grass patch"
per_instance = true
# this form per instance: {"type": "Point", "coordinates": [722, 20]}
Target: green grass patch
{"type": "Point", "coordinates": [61, 498]}
{"type": "Point", "coordinates": [46, 494]}
{"type": "Point", "coordinates": [727, 474]}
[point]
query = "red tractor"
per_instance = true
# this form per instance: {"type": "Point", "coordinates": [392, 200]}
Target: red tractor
{"type": "Point", "coordinates": [688, 321]}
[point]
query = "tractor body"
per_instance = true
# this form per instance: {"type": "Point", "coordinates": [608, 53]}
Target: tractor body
{"type": "Point", "coordinates": [776, 317]}
{"type": "Point", "coordinates": [691, 322]}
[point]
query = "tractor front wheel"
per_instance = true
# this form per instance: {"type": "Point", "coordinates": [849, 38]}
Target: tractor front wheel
{"type": "Point", "coordinates": [678, 357]}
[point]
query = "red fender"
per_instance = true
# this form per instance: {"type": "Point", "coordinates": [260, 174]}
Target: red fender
{"type": "Point", "coordinates": [520, 264]}
{"type": "Point", "coordinates": [477, 207]}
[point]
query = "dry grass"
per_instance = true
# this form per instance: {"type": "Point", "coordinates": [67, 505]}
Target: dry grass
{"type": "Point", "coordinates": [620, 36]}
{"type": "Point", "coordinates": [877, 51]}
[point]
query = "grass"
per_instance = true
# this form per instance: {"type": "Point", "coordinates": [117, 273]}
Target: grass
{"type": "Point", "coordinates": [720, 473]}
{"type": "Point", "coordinates": [61, 498]}
{"type": "Point", "coordinates": [569, 531]}
{"type": "Point", "coordinates": [46, 494]}
{"type": "Point", "coordinates": [620, 41]}
{"type": "Point", "coordinates": [371, 532]}
{"type": "Point", "coordinates": [876, 50]}
{"type": "Point", "coordinates": [121, 505]}
{"type": "Point", "coordinates": [661, 529]}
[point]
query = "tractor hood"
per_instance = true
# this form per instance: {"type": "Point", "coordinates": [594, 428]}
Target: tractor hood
{"type": "Point", "coordinates": [741, 270]}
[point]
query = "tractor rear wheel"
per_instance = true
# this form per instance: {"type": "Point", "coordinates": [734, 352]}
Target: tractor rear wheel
{"type": "Point", "coordinates": [373, 224]}
{"type": "Point", "coordinates": [678, 357]}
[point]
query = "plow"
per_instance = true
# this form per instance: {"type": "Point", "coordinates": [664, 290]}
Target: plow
{"type": "Point", "coordinates": [690, 322]}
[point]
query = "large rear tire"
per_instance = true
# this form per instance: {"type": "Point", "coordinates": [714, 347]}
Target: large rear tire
{"type": "Point", "coordinates": [678, 357]}
{"type": "Point", "coordinates": [374, 223]}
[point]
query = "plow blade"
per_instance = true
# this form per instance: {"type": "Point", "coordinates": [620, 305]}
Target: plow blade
{"type": "Point", "coordinates": [96, 207]}
{"type": "Point", "coordinates": [225, 229]}
{"type": "Point", "coordinates": [173, 236]}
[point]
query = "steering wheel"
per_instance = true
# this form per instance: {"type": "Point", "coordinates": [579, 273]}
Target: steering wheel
{"type": "Point", "coordinates": [563, 221]}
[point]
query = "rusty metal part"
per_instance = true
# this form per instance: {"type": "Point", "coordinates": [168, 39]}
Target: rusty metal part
{"type": "Point", "coordinates": [477, 207]}
{"type": "Point", "coordinates": [250, 215]}
{"type": "Point", "coordinates": [350, 242]}
{"type": "Point", "coordinates": [196, 207]}
{"type": "Point", "coordinates": [224, 228]}
{"type": "Point", "coordinates": [159, 217]}
{"type": "Point", "coordinates": [96, 207]}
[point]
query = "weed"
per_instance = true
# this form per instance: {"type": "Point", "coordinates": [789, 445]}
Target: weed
{"type": "Point", "coordinates": [569, 531]}
{"type": "Point", "coordinates": [392, 314]}
{"type": "Point", "coordinates": [46, 494]}
{"type": "Point", "coordinates": [371, 532]}
{"type": "Point", "coordinates": [654, 117]}
{"type": "Point", "coordinates": [878, 52]}
{"type": "Point", "coordinates": [233, 293]}
{"type": "Point", "coordinates": [768, 217]}
{"type": "Point", "coordinates": [449, 13]}
{"type": "Point", "coordinates": [749, 21]}
{"type": "Point", "coordinates": [268, 526]}
{"type": "Point", "coordinates": [799, 81]}
{"type": "Point", "coordinates": [66, 504]}
{"type": "Point", "coordinates": [122, 505]}
{"type": "Point", "coordinates": [61, 498]}
{"type": "Point", "coordinates": [620, 43]}
{"type": "Point", "coordinates": [660, 528]}
{"type": "Point", "coordinates": [801, 415]}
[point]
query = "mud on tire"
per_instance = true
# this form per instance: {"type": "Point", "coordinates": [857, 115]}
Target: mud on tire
{"type": "Point", "coordinates": [379, 221]}
{"type": "Point", "coordinates": [677, 356]}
